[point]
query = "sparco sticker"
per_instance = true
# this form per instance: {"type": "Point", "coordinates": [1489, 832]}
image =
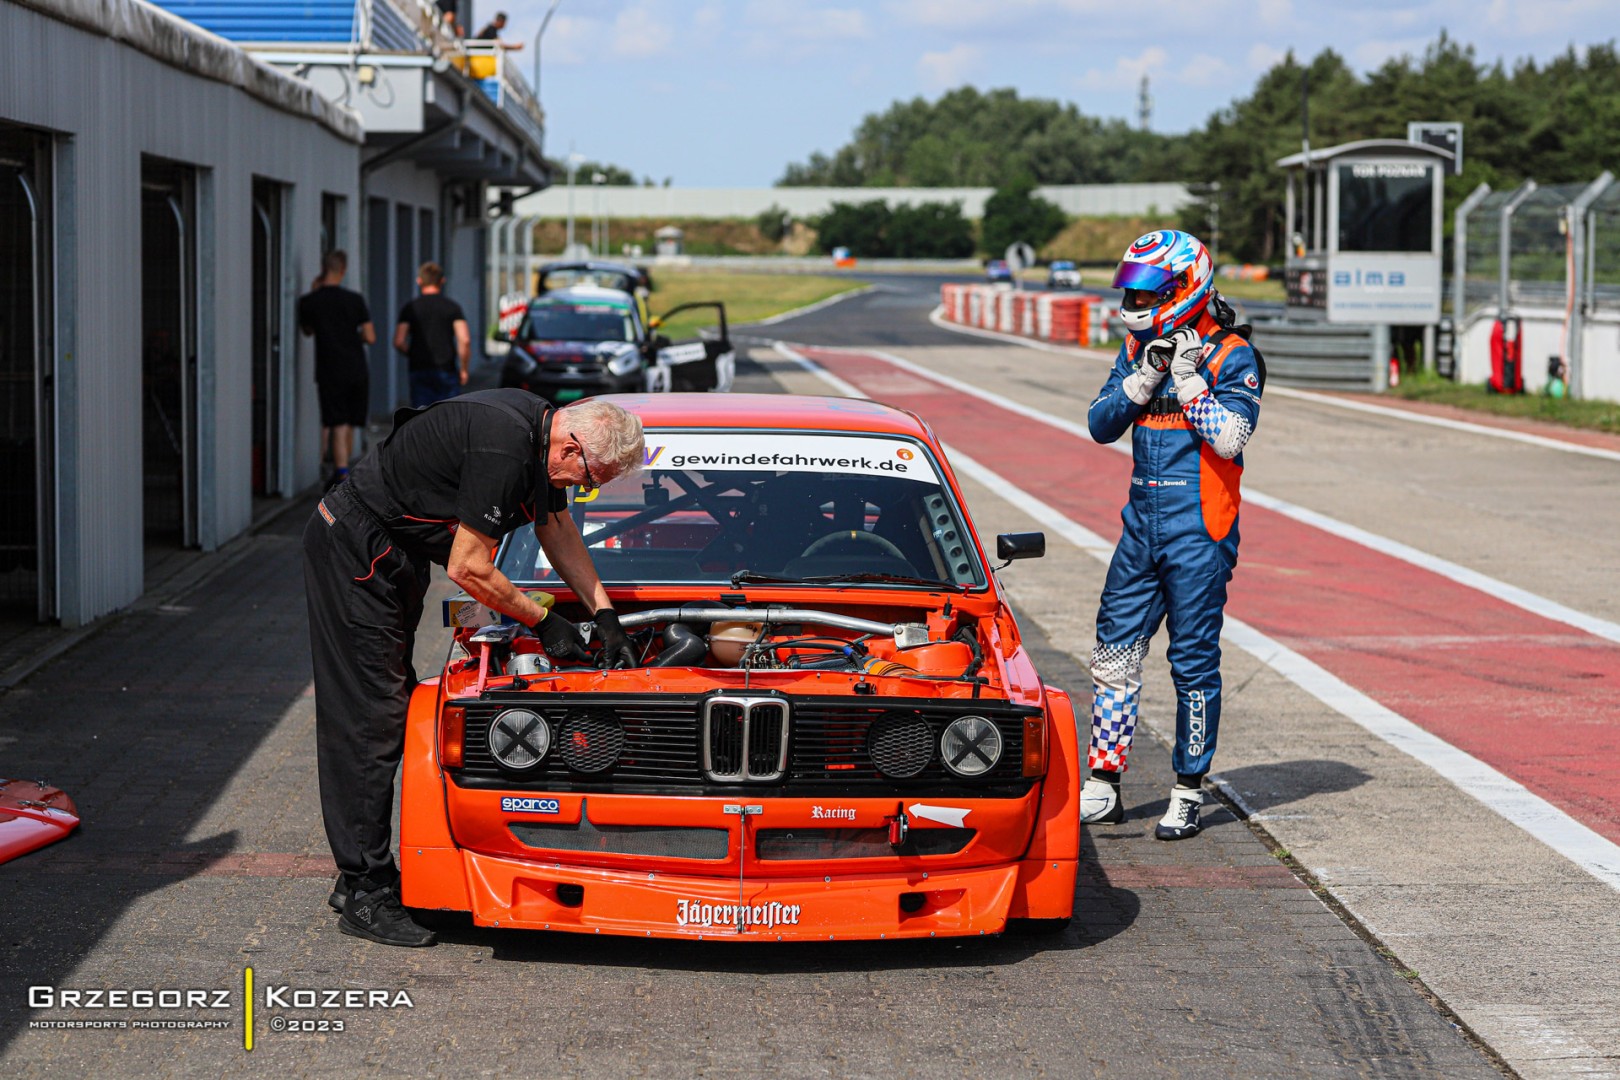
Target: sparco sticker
{"type": "Point", "coordinates": [748, 916]}
{"type": "Point", "coordinates": [778, 452]}
{"type": "Point", "coordinates": [510, 805]}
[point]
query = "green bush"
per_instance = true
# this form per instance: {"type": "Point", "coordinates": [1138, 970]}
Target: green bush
{"type": "Point", "coordinates": [1016, 213]}
{"type": "Point", "coordinates": [861, 227]}
{"type": "Point", "coordinates": [930, 231]}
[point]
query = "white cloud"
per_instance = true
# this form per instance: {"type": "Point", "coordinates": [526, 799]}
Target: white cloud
{"type": "Point", "coordinates": [1263, 57]}
{"type": "Point", "coordinates": [1127, 71]}
{"type": "Point", "coordinates": [801, 22]}
{"type": "Point", "coordinates": [637, 32]}
{"type": "Point", "coordinates": [1202, 69]}
{"type": "Point", "coordinates": [1275, 13]}
{"type": "Point", "coordinates": [943, 70]}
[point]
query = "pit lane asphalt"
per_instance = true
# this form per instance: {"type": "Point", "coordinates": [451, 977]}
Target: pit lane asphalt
{"type": "Point", "coordinates": [185, 732]}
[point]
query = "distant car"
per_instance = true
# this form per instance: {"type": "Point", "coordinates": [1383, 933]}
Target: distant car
{"type": "Point", "coordinates": [583, 340]}
{"type": "Point", "coordinates": [832, 732]}
{"type": "Point", "coordinates": [1062, 274]}
{"type": "Point", "coordinates": [997, 270]}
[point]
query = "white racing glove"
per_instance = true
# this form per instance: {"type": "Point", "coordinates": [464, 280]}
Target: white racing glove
{"type": "Point", "coordinates": [1187, 352]}
{"type": "Point", "coordinates": [1151, 368]}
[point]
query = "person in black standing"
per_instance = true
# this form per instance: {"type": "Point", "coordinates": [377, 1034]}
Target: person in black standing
{"type": "Point", "coordinates": [339, 321]}
{"type": "Point", "coordinates": [444, 487]}
{"type": "Point", "coordinates": [433, 333]}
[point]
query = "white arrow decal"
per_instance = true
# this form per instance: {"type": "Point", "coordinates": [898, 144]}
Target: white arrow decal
{"type": "Point", "coordinates": [953, 816]}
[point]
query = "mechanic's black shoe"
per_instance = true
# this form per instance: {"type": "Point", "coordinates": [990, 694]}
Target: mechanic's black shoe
{"type": "Point", "coordinates": [378, 916]}
{"type": "Point", "coordinates": [340, 894]}
{"type": "Point", "coordinates": [1181, 820]}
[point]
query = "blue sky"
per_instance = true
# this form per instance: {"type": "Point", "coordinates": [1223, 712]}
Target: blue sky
{"type": "Point", "coordinates": [720, 93]}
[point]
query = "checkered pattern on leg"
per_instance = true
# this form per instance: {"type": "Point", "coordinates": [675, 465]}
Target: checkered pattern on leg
{"type": "Point", "coordinates": [1116, 673]}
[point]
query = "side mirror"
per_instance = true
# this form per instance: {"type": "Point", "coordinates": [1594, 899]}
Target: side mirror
{"type": "Point", "coordinates": [1026, 545]}
{"type": "Point", "coordinates": [655, 322]}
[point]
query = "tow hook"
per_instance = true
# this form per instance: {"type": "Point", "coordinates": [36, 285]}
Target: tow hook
{"type": "Point", "coordinates": [899, 826]}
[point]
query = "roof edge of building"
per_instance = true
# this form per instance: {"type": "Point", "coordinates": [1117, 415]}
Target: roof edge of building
{"type": "Point", "coordinates": [172, 40]}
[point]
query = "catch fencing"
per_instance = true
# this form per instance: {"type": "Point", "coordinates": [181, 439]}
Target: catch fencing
{"type": "Point", "coordinates": [1545, 259]}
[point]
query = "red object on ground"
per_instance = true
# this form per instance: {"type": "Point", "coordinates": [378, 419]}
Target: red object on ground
{"type": "Point", "coordinates": [1533, 698]}
{"type": "Point", "coordinates": [1507, 357]}
{"type": "Point", "coordinates": [33, 814]}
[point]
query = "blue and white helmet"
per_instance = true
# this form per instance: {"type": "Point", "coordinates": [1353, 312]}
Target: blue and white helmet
{"type": "Point", "coordinates": [1167, 278]}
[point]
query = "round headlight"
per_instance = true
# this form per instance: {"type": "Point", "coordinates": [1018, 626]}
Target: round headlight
{"type": "Point", "coordinates": [519, 739]}
{"type": "Point", "coordinates": [971, 746]}
{"type": "Point", "coordinates": [900, 744]}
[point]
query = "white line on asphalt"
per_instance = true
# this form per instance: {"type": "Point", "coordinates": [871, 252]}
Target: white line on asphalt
{"type": "Point", "coordinates": [937, 317]}
{"type": "Point", "coordinates": [808, 308]}
{"type": "Point", "coordinates": [1505, 796]}
{"type": "Point", "coordinates": [1462, 575]}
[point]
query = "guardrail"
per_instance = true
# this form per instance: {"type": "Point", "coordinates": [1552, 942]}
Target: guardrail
{"type": "Point", "coordinates": [1070, 318]}
{"type": "Point", "coordinates": [1325, 356]}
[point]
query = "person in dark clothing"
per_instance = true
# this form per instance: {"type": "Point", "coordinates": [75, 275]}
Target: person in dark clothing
{"type": "Point", "coordinates": [492, 32]}
{"type": "Point", "coordinates": [339, 321]}
{"type": "Point", "coordinates": [444, 487]}
{"type": "Point", "coordinates": [432, 332]}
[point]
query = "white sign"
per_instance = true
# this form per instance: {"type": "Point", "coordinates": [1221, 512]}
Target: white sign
{"type": "Point", "coordinates": [1394, 288]}
{"type": "Point", "coordinates": [1020, 256]}
{"type": "Point", "coordinates": [779, 452]}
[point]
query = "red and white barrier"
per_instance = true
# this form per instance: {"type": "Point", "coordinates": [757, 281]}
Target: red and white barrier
{"type": "Point", "coordinates": [1066, 317]}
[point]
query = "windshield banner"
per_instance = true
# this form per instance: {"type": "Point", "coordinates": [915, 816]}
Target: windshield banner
{"type": "Point", "coordinates": [777, 452]}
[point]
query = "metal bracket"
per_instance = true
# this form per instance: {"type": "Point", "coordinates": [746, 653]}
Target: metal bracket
{"type": "Point", "coordinates": [743, 811]}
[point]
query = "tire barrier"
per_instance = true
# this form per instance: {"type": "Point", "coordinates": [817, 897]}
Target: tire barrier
{"type": "Point", "coordinates": [1073, 319]}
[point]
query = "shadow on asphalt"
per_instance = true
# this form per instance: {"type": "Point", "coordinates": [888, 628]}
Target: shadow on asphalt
{"type": "Point", "coordinates": [1265, 787]}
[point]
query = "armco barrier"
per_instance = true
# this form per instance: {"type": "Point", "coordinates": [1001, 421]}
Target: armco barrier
{"type": "Point", "coordinates": [1066, 317]}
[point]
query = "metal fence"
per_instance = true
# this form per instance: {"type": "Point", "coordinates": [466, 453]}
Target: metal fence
{"type": "Point", "coordinates": [1553, 250]}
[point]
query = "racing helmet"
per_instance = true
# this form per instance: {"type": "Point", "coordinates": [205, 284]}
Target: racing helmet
{"type": "Point", "coordinates": [1166, 276]}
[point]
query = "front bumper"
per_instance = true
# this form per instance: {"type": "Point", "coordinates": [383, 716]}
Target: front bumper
{"type": "Point", "coordinates": [512, 893]}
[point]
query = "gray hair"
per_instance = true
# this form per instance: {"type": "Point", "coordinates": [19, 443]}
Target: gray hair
{"type": "Point", "coordinates": [608, 433]}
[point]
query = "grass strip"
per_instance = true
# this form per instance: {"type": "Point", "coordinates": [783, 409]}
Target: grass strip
{"type": "Point", "coordinates": [1592, 415]}
{"type": "Point", "coordinates": [748, 297]}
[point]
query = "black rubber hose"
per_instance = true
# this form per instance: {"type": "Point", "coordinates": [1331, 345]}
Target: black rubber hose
{"type": "Point", "coordinates": [683, 647]}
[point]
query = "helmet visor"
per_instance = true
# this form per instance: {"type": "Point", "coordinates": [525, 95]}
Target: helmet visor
{"type": "Point", "coordinates": [1144, 277]}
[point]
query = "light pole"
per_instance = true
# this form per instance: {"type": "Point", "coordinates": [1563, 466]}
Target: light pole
{"type": "Point", "coordinates": [538, 35]}
{"type": "Point", "coordinates": [573, 165]}
{"type": "Point", "coordinates": [597, 180]}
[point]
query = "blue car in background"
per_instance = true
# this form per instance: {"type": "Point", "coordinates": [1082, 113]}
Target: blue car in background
{"type": "Point", "coordinates": [997, 270]}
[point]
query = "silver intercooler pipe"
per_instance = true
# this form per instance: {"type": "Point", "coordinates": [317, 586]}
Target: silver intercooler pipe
{"type": "Point", "coordinates": [771, 614]}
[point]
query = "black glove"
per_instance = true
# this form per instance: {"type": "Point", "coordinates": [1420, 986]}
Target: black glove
{"type": "Point", "coordinates": [562, 639]}
{"type": "Point", "coordinates": [617, 652]}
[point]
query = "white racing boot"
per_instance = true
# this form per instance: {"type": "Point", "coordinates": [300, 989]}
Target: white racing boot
{"type": "Point", "coordinates": [1100, 803]}
{"type": "Point", "coordinates": [1181, 820]}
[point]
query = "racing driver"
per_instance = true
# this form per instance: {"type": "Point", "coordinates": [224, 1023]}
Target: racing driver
{"type": "Point", "coordinates": [1187, 385]}
{"type": "Point", "coordinates": [449, 481]}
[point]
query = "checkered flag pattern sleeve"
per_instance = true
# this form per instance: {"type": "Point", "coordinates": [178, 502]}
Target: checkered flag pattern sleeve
{"type": "Point", "coordinates": [1116, 673]}
{"type": "Point", "coordinates": [1224, 430]}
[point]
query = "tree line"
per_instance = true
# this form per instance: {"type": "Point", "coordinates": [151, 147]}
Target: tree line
{"type": "Point", "coordinates": [1557, 122]}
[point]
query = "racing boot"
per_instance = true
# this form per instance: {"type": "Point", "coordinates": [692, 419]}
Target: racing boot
{"type": "Point", "coordinates": [1181, 820]}
{"type": "Point", "coordinates": [378, 916]}
{"type": "Point", "coordinates": [1100, 803]}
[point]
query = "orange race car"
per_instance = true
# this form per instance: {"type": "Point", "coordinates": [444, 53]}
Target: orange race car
{"type": "Point", "coordinates": [834, 732]}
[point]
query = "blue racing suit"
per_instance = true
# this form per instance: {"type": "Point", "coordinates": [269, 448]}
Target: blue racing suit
{"type": "Point", "coordinates": [1179, 545]}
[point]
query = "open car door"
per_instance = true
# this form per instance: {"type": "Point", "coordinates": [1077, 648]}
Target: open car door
{"type": "Point", "coordinates": [33, 814]}
{"type": "Point", "coordinates": [705, 363]}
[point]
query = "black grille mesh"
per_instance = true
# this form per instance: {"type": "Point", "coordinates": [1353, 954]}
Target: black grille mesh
{"type": "Point", "coordinates": [900, 744]}
{"type": "Point", "coordinates": [726, 748]}
{"type": "Point", "coordinates": [591, 740]}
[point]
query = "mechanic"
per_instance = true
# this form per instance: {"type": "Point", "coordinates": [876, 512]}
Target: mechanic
{"type": "Point", "coordinates": [444, 487]}
{"type": "Point", "coordinates": [1180, 539]}
{"type": "Point", "coordinates": [339, 321]}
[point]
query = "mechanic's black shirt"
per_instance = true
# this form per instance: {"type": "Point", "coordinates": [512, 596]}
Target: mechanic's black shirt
{"type": "Point", "coordinates": [334, 315]}
{"type": "Point", "coordinates": [473, 460]}
{"type": "Point", "coordinates": [432, 319]}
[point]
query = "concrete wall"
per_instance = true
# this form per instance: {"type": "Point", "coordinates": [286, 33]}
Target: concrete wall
{"type": "Point", "coordinates": [1077, 200]}
{"type": "Point", "coordinates": [1543, 331]}
{"type": "Point", "coordinates": [111, 103]}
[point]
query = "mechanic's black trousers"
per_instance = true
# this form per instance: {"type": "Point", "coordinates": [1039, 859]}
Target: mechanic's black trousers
{"type": "Point", "coordinates": [365, 600]}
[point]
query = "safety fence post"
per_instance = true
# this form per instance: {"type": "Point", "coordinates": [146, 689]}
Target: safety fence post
{"type": "Point", "coordinates": [1580, 284]}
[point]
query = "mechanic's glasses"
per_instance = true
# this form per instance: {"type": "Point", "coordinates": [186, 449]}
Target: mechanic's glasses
{"type": "Point", "coordinates": [584, 462]}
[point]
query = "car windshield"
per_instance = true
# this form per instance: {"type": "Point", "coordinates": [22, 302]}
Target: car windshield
{"type": "Point", "coordinates": [829, 510]}
{"type": "Point", "coordinates": [602, 276]}
{"type": "Point", "coordinates": [578, 322]}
